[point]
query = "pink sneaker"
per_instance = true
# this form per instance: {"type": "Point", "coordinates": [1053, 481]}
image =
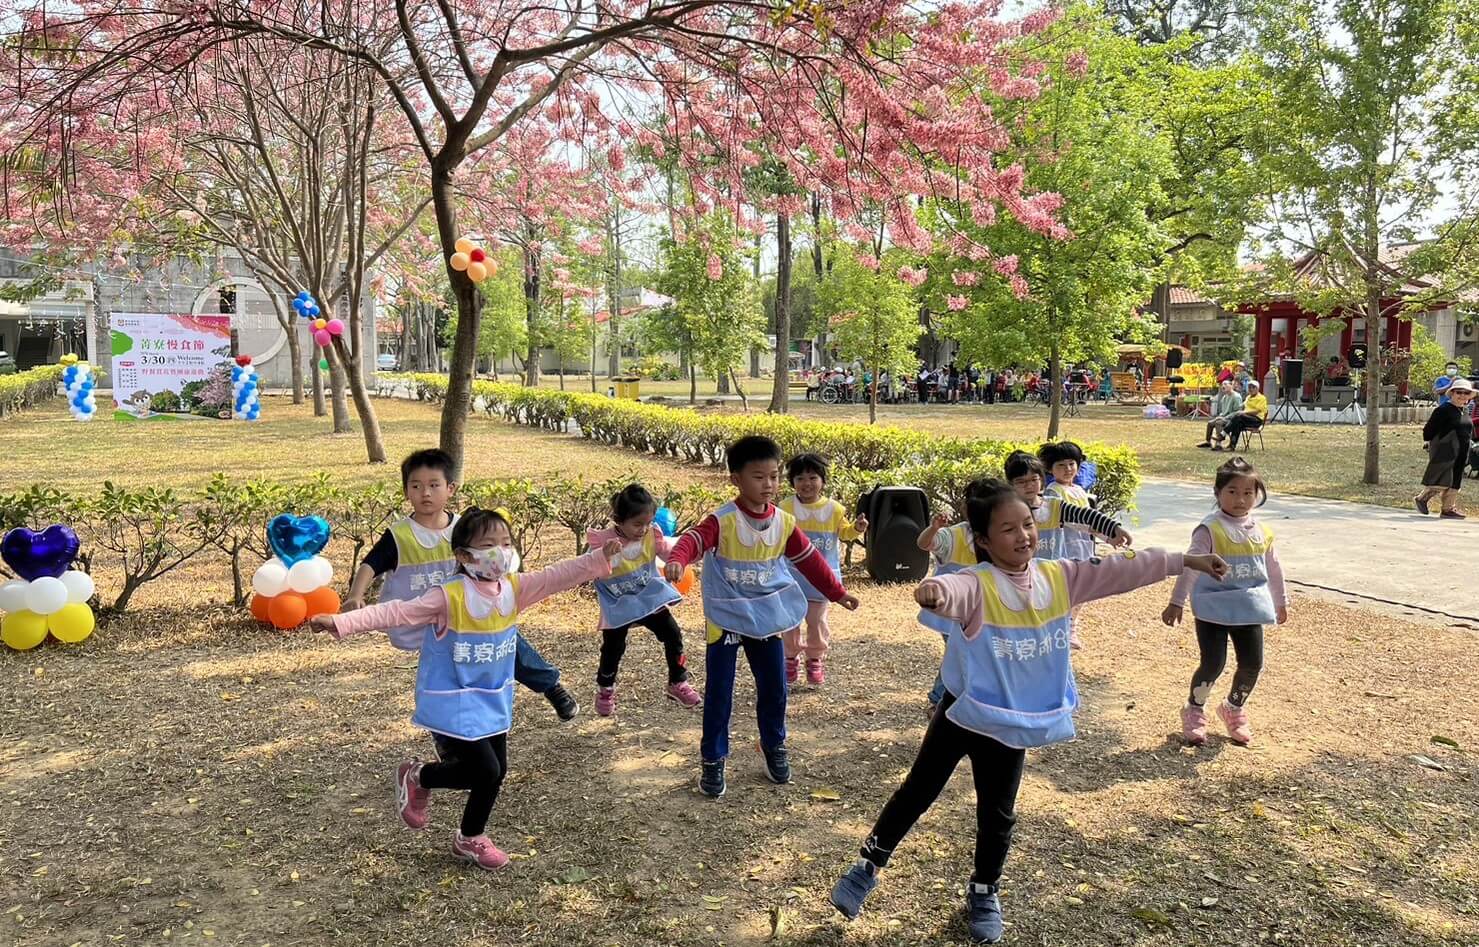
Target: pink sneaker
{"type": "Point", "coordinates": [1236, 721]}
{"type": "Point", "coordinates": [791, 670]}
{"type": "Point", "coordinates": [1074, 641]}
{"type": "Point", "coordinates": [605, 701]}
{"type": "Point", "coordinates": [816, 674]}
{"type": "Point", "coordinates": [479, 850]}
{"type": "Point", "coordinates": [411, 797]}
{"type": "Point", "coordinates": [684, 694]}
{"type": "Point", "coordinates": [1194, 725]}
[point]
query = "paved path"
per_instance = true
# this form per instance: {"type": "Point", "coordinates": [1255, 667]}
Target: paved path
{"type": "Point", "coordinates": [1351, 551]}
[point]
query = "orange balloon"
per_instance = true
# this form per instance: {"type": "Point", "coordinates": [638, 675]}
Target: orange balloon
{"type": "Point", "coordinates": [460, 261]}
{"type": "Point", "coordinates": [322, 601]}
{"type": "Point", "coordinates": [684, 585]}
{"type": "Point", "coordinates": [288, 610]}
{"type": "Point", "coordinates": [261, 608]}
{"type": "Point", "coordinates": [477, 272]}
{"type": "Point", "coordinates": [464, 245]}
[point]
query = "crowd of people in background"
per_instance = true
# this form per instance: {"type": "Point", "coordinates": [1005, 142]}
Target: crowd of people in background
{"type": "Point", "coordinates": [952, 384]}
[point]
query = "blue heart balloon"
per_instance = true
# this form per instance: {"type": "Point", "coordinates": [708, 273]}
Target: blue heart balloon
{"type": "Point", "coordinates": [296, 538]}
{"type": "Point", "coordinates": [666, 521]}
{"type": "Point", "coordinates": [33, 555]}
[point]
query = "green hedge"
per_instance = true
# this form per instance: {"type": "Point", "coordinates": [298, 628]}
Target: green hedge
{"type": "Point", "coordinates": [863, 455]}
{"type": "Point", "coordinates": [29, 388]}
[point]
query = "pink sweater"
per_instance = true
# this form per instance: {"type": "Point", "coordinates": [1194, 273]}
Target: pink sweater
{"type": "Point", "coordinates": [431, 608]}
{"type": "Point", "coordinates": [596, 538]}
{"type": "Point", "coordinates": [1201, 544]}
{"type": "Point", "coordinates": [1088, 580]}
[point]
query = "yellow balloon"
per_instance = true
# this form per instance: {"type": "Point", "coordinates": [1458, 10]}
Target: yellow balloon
{"type": "Point", "coordinates": [460, 261]}
{"type": "Point", "coordinates": [477, 272]}
{"type": "Point", "coordinates": [72, 623]}
{"type": "Point", "coordinates": [464, 246]}
{"type": "Point", "coordinates": [320, 323]}
{"type": "Point", "coordinates": [23, 630]}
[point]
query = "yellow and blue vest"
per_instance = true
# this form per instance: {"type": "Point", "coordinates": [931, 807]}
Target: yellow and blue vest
{"type": "Point", "coordinates": [1243, 598]}
{"type": "Point", "coordinates": [634, 589]}
{"type": "Point", "coordinates": [1013, 681]}
{"type": "Point", "coordinates": [1076, 541]}
{"type": "Point", "coordinates": [418, 569]}
{"type": "Point", "coordinates": [465, 679]}
{"type": "Point", "coordinates": [823, 522]}
{"type": "Point", "coordinates": [749, 587]}
{"type": "Point", "coordinates": [961, 556]}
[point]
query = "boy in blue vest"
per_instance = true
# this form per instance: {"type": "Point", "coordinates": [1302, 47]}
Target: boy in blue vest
{"type": "Point", "coordinates": [750, 600]}
{"type": "Point", "coordinates": [416, 552]}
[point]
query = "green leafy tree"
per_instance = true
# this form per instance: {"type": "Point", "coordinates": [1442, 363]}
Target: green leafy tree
{"type": "Point", "coordinates": [874, 317]}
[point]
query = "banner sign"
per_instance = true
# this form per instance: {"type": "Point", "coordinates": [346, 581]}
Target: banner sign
{"type": "Point", "coordinates": [171, 365]}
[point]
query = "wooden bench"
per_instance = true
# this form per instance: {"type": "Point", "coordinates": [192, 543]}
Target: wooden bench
{"type": "Point", "coordinates": [1126, 388]}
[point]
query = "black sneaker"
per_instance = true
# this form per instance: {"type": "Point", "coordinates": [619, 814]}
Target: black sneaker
{"type": "Point", "coordinates": [777, 766]}
{"type": "Point", "coordinates": [711, 780]}
{"type": "Point", "coordinates": [563, 702]}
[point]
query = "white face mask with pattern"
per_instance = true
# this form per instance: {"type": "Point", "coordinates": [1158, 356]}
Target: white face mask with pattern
{"type": "Point", "coordinates": [490, 565]}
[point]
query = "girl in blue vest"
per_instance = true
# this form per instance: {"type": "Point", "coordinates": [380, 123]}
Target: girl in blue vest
{"type": "Point", "coordinates": [826, 523]}
{"type": "Point", "coordinates": [1009, 686]}
{"type": "Point", "coordinates": [1253, 596]}
{"type": "Point", "coordinates": [465, 678]}
{"type": "Point", "coordinates": [636, 594]}
{"type": "Point", "coordinates": [953, 548]}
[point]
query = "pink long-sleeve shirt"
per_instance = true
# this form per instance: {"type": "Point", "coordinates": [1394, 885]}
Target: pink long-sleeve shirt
{"type": "Point", "coordinates": [1087, 580]}
{"type": "Point", "coordinates": [431, 608]}
{"type": "Point", "coordinates": [596, 538]}
{"type": "Point", "coordinates": [1201, 544]}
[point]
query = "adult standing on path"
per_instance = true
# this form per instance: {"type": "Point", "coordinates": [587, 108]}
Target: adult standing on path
{"type": "Point", "coordinates": [1448, 434]}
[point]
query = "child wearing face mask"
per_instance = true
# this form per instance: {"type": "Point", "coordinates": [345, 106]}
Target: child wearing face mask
{"type": "Point", "coordinates": [465, 679]}
{"type": "Point", "coordinates": [635, 594]}
{"type": "Point", "coordinates": [1252, 596]}
{"type": "Point", "coordinates": [1009, 686]}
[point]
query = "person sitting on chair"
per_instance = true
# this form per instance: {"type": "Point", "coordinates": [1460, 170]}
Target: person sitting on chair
{"type": "Point", "coordinates": [1225, 406]}
{"type": "Point", "coordinates": [1251, 418]}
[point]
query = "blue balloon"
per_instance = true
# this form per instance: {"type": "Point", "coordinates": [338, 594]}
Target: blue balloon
{"type": "Point", "coordinates": [295, 538]}
{"type": "Point", "coordinates": [1088, 475]}
{"type": "Point", "coordinates": [87, 385]}
{"type": "Point", "coordinates": [667, 521]}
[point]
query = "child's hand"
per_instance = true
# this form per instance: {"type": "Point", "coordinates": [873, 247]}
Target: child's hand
{"type": "Point", "coordinates": [1172, 615]}
{"type": "Point", "coordinates": [1282, 614]}
{"type": "Point", "coordinates": [860, 525]}
{"type": "Point", "coordinates": [1211, 564]}
{"type": "Point", "coordinates": [849, 602]}
{"type": "Point", "coordinates": [322, 623]}
{"type": "Point", "coordinates": [350, 604]}
{"type": "Point", "coordinates": [1120, 538]}
{"type": "Point", "coordinates": [612, 549]}
{"type": "Point", "coordinates": [939, 521]}
{"type": "Point", "coordinates": [672, 571]}
{"type": "Point", "coordinates": [929, 596]}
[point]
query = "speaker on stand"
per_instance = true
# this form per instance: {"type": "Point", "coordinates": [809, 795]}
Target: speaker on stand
{"type": "Point", "coordinates": [1291, 385]}
{"type": "Point", "coordinates": [896, 517]}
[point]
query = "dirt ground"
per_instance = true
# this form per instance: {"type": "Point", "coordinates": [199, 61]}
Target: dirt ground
{"type": "Point", "coordinates": [186, 776]}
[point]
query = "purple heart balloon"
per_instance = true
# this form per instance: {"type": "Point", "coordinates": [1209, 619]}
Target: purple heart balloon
{"type": "Point", "coordinates": [34, 555]}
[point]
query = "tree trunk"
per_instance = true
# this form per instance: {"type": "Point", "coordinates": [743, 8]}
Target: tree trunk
{"type": "Point", "coordinates": [780, 389]}
{"type": "Point", "coordinates": [740, 389]}
{"type": "Point", "coordinates": [319, 408]}
{"type": "Point", "coordinates": [337, 401]}
{"type": "Point", "coordinates": [469, 318]}
{"type": "Point", "coordinates": [1372, 470]}
{"type": "Point", "coordinates": [1055, 386]}
{"type": "Point", "coordinates": [692, 381]}
{"type": "Point", "coordinates": [295, 352]}
{"type": "Point", "coordinates": [721, 384]}
{"type": "Point", "coordinates": [613, 302]}
{"type": "Point", "coordinates": [816, 236]}
{"type": "Point", "coordinates": [873, 400]}
{"type": "Point", "coordinates": [363, 405]}
{"type": "Point", "coordinates": [531, 315]}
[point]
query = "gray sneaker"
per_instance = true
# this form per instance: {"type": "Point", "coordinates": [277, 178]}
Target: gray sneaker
{"type": "Point", "coordinates": [983, 913]}
{"type": "Point", "coordinates": [853, 887]}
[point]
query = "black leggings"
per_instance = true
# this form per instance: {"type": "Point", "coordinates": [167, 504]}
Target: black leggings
{"type": "Point", "coordinates": [477, 766]}
{"type": "Point", "coordinates": [662, 624]}
{"type": "Point", "coordinates": [997, 770]}
{"type": "Point", "coordinates": [1247, 644]}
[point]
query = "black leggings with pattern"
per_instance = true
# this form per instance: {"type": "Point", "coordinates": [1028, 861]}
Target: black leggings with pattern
{"type": "Point", "coordinates": [1247, 644]}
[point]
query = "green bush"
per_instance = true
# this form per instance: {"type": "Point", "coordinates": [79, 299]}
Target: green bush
{"type": "Point", "coordinates": [862, 455]}
{"type": "Point", "coordinates": [28, 388]}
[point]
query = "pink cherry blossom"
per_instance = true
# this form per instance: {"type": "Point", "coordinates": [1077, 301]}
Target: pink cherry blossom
{"type": "Point", "coordinates": [957, 303]}
{"type": "Point", "coordinates": [715, 267]}
{"type": "Point", "coordinates": [912, 276]}
{"type": "Point", "coordinates": [965, 277]}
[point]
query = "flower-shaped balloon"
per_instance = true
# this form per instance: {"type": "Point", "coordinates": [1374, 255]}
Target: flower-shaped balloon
{"type": "Point", "coordinates": [473, 260]}
{"type": "Point", "coordinates": [305, 305]}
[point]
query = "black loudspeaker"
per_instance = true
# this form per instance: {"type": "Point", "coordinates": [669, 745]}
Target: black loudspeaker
{"type": "Point", "coordinates": [1356, 358]}
{"type": "Point", "coordinates": [1291, 378]}
{"type": "Point", "coordinates": [896, 517]}
{"type": "Point", "coordinates": [1173, 358]}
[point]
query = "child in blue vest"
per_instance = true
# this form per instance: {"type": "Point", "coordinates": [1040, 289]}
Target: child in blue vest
{"type": "Point", "coordinates": [635, 594]}
{"type": "Point", "coordinates": [1253, 596]}
{"type": "Point", "coordinates": [1009, 686]}
{"type": "Point", "coordinates": [826, 523]}
{"type": "Point", "coordinates": [750, 549]}
{"type": "Point", "coordinates": [417, 554]}
{"type": "Point", "coordinates": [1061, 461]}
{"type": "Point", "coordinates": [465, 678]}
{"type": "Point", "coordinates": [953, 548]}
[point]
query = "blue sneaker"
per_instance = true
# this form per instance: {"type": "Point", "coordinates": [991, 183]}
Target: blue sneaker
{"type": "Point", "coordinates": [777, 765]}
{"type": "Point", "coordinates": [983, 913]}
{"type": "Point", "coordinates": [853, 887]}
{"type": "Point", "coordinates": [711, 780]}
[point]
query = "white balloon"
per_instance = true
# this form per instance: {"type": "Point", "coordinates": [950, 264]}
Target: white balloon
{"type": "Point", "coordinates": [79, 585]}
{"type": "Point", "coordinates": [13, 595]}
{"type": "Point", "coordinates": [325, 570]}
{"type": "Point", "coordinates": [303, 577]}
{"type": "Point", "coordinates": [46, 595]}
{"type": "Point", "coordinates": [270, 579]}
